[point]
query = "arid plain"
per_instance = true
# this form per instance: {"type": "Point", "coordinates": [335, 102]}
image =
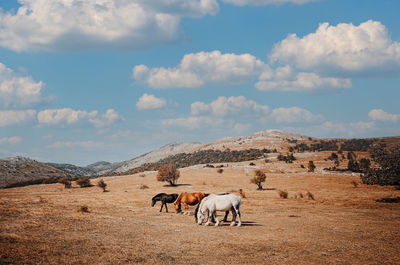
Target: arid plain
{"type": "Point", "coordinates": [344, 224]}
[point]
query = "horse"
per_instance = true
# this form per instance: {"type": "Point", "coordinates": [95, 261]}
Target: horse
{"type": "Point", "coordinates": [213, 203]}
{"type": "Point", "coordinates": [187, 199]}
{"type": "Point", "coordinates": [212, 217]}
{"type": "Point", "coordinates": [164, 198]}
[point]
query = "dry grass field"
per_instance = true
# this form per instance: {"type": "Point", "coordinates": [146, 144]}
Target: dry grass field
{"type": "Point", "coordinates": [44, 224]}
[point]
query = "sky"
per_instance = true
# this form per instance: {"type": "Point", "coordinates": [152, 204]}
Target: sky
{"type": "Point", "coordinates": [109, 80]}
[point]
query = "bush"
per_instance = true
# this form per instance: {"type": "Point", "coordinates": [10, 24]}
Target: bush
{"type": "Point", "coordinates": [252, 164]}
{"type": "Point", "coordinates": [168, 173]}
{"type": "Point", "coordinates": [311, 166]}
{"type": "Point", "coordinates": [84, 182]}
{"type": "Point", "coordinates": [388, 172]}
{"type": "Point", "coordinates": [102, 184]}
{"type": "Point", "coordinates": [83, 209]}
{"type": "Point", "coordinates": [66, 182]}
{"type": "Point", "coordinates": [283, 194]}
{"type": "Point", "coordinates": [258, 179]}
{"type": "Point", "coordinates": [220, 170]}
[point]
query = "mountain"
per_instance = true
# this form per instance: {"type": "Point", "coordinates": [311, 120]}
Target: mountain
{"type": "Point", "coordinates": [75, 170]}
{"type": "Point", "coordinates": [21, 171]}
{"type": "Point", "coordinates": [269, 139]}
{"type": "Point", "coordinates": [151, 157]}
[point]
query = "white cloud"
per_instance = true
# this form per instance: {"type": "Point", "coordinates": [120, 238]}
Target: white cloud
{"type": "Point", "coordinates": [15, 117]}
{"type": "Point", "coordinates": [266, 2]}
{"type": "Point", "coordinates": [64, 116]}
{"type": "Point", "coordinates": [18, 91]}
{"type": "Point", "coordinates": [224, 106]}
{"type": "Point", "coordinates": [203, 68]}
{"type": "Point", "coordinates": [285, 79]}
{"type": "Point", "coordinates": [380, 115]}
{"type": "Point", "coordinates": [106, 119]}
{"type": "Point", "coordinates": [100, 24]}
{"type": "Point", "coordinates": [294, 115]}
{"type": "Point", "coordinates": [344, 49]}
{"type": "Point", "coordinates": [74, 144]}
{"type": "Point", "coordinates": [11, 140]}
{"type": "Point", "coordinates": [150, 102]}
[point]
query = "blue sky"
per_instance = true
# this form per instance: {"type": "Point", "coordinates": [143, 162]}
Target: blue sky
{"type": "Point", "coordinates": [83, 81]}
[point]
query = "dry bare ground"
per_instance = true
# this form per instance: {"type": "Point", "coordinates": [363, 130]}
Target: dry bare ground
{"type": "Point", "coordinates": [44, 224]}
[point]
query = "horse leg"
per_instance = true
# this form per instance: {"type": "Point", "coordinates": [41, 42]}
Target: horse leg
{"type": "Point", "coordinates": [165, 203]}
{"type": "Point", "coordinates": [226, 216]}
{"type": "Point", "coordinates": [208, 218]}
{"type": "Point", "coordinates": [162, 205]}
{"type": "Point", "coordinates": [238, 214]}
{"type": "Point", "coordinates": [216, 218]}
{"type": "Point", "coordinates": [186, 206]}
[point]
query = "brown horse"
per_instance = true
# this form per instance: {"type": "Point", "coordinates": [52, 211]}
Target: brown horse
{"type": "Point", "coordinates": [187, 199]}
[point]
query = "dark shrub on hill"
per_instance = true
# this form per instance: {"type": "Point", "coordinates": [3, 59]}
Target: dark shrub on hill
{"type": "Point", "coordinates": [388, 172]}
{"type": "Point", "coordinates": [84, 182]}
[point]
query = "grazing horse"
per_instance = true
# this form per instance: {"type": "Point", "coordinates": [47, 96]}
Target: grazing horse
{"type": "Point", "coordinates": [164, 198]}
{"type": "Point", "coordinates": [214, 203]}
{"type": "Point", "coordinates": [187, 199]}
{"type": "Point", "coordinates": [212, 217]}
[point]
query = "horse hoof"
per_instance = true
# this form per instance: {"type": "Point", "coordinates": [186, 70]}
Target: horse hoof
{"type": "Point", "coordinates": [232, 224]}
{"type": "Point", "coordinates": [239, 225]}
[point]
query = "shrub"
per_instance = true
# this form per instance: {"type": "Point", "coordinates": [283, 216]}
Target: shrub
{"type": "Point", "coordinates": [143, 187]}
{"type": "Point", "coordinates": [252, 164]}
{"type": "Point", "coordinates": [66, 182]}
{"type": "Point", "coordinates": [283, 194]}
{"type": "Point", "coordinates": [311, 166]}
{"type": "Point", "coordinates": [242, 194]}
{"type": "Point", "coordinates": [355, 184]}
{"type": "Point", "coordinates": [302, 166]}
{"type": "Point", "coordinates": [388, 172]}
{"type": "Point", "coordinates": [102, 184]}
{"type": "Point", "coordinates": [83, 209]}
{"type": "Point", "coordinates": [220, 170]}
{"type": "Point", "coordinates": [83, 182]}
{"type": "Point", "coordinates": [310, 196]}
{"type": "Point", "coordinates": [168, 173]}
{"type": "Point", "coordinates": [258, 179]}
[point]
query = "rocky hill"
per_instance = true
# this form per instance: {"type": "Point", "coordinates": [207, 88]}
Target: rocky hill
{"type": "Point", "coordinates": [20, 171]}
{"type": "Point", "coordinates": [151, 157]}
{"type": "Point", "coordinates": [74, 170]}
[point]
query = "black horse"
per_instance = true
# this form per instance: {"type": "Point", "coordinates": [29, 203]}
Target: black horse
{"type": "Point", "coordinates": [164, 198]}
{"type": "Point", "coordinates": [212, 216]}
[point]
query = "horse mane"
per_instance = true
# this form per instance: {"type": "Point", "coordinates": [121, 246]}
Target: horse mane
{"type": "Point", "coordinates": [178, 200]}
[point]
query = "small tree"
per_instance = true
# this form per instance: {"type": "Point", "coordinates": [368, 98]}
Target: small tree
{"type": "Point", "coordinates": [258, 179]}
{"type": "Point", "coordinates": [168, 173]}
{"type": "Point", "coordinates": [102, 184]}
{"type": "Point", "coordinates": [83, 182]}
{"type": "Point", "coordinates": [311, 166]}
{"type": "Point", "coordinates": [66, 182]}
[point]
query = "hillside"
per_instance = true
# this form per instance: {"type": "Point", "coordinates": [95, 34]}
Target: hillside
{"type": "Point", "coordinates": [75, 170]}
{"type": "Point", "coordinates": [151, 157]}
{"type": "Point", "coordinates": [20, 171]}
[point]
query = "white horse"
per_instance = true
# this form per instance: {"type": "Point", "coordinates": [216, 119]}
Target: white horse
{"type": "Point", "coordinates": [212, 203]}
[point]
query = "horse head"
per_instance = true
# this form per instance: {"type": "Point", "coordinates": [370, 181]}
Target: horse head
{"type": "Point", "coordinates": [178, 207]}
{"type": "Point", "coordinates": [153, 202]}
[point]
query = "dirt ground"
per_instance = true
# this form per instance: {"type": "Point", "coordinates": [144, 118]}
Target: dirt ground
{"type": "Point", "coordinates": [43, 224]}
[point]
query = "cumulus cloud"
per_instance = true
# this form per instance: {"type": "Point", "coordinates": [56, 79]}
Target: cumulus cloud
{"type": "Point", "coordinates": [64, 116]}
{"type": "Point", "coordinates": [203, 68]}
{"type": "Point", "coordinates": [224, 106]}
{"type": "Point", "coordinates": [11, 140]}
{"type": "Point", "coordinates": [18, 91]}
{"type": "Point", "coordinates": [266, 2]}
{"type": "Point", "coordinates": [150, 102]}
{"type": "Point", "coordinates": [381, 115]}
{"type": "Point", "coordinates": [106, 119]}
{"type": "Point", "coordinates": [343, 49]}
{"type": "Point", "coordinates": [69, 116]}
{"type": "Point", "coordinates": [15, 117]}
{"type": "Point", "coordinates": [286, 79]}
{"type": "Point", "coordinates": [294, 115]}
{"type": "Point", "coordinates": [100, 24]}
